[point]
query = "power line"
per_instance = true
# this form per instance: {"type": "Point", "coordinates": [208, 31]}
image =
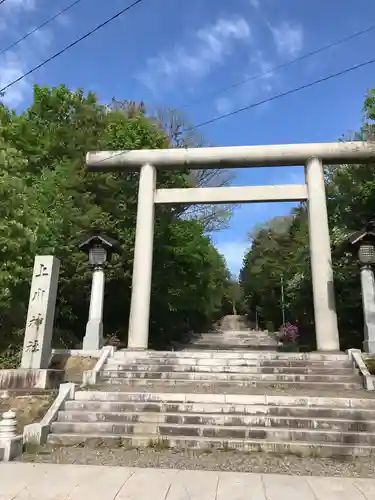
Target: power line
{"type": "Point", "coordinates": [2, 1]}
{"type": "Point", "coordinates": [283, 94]}
{"type": "Point", "coordinates": [269, 99]}
{"type": "Point", "coordinates": [276, 68]}
{"type": "Point", "coordinates": [60, 52]}
{"type": "Point", "coordinates": [38, 27]}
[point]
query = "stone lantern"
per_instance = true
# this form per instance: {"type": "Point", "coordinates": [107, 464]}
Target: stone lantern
{"type": "Point", "coordinates": [363, 246]}
{"type": "Point", "coordinates": [99, 248]}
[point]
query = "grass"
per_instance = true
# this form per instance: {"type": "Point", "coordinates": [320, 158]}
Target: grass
{"type": "Point", "coordinates": [29, 408]}
{"type": "Point", "coordinates": [73, 366]}
{"type": "Point", "coordinates": [370, 364]}
{"type": "Point", "coordinates": [159, 444]}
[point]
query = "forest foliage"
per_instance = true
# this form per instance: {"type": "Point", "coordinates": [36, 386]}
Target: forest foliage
{"type": "Point", "coordinates": [279, 252]}
{"type": "Point", "coordinates": [48, 200]}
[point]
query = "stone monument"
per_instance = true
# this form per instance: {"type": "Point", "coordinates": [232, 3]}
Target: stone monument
{"type": "Point", "coordinates": [34, 372]}
{"type": "Point", "coordinates": [41, 312]}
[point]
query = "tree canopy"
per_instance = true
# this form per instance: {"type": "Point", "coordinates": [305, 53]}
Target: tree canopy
{"type": "Point", "coordinates": [48, 200]}
{"type": "Point", "coordinates": [181, 134]}
{"type": "Point", "coordinates": [280, 249]}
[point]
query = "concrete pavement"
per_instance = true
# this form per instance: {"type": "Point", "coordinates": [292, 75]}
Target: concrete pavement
{"type": "Point", "coordinates": [27, 481]}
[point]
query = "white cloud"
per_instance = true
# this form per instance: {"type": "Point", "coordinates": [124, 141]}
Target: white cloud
{"type": "Point", "coordinates": [42, 38]}
{"type": "Point", "coordinates": [288, 38]}
{"type": "Point", "coordinates": [209, 47]}
{"type": "Point", "coordinates": [224, 105]}
{"type": "Point", "coordinates": [255, 3]}
{"type": "Point", "coordinates": [20, 4]}
{"type": "Point", "coordinates": [64, 20]}
{"type": "Point", "coordinates": [254, 88]}
{"type": "Point", "coordinates": [264, 67]}
{"type": "Point", "coordinates": [11, 69]}
{"type": "Point", "coordinates": [14, 64]}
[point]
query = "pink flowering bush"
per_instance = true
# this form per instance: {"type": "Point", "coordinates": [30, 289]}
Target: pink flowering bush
{"type": "Point", "coordinates": [288, 333]}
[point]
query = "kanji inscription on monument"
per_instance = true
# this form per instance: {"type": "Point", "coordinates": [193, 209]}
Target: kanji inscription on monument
{"type": "Point", "coordinates": [40, 316]}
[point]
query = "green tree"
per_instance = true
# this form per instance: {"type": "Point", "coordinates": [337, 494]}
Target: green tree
{"type": "Point", "coordinates": [181, 134]}
{"type": "Point", "coordinates": [351, 201]}
{"type": "Point", "coordinates": [55, 200]}
{"type": "Point", "coordinates": [233, 298]}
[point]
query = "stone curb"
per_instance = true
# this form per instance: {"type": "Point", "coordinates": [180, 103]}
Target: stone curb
{"type": "Point", "coordinates": [355, 355]}
{"type": "Point", "coordinates": [37, 433]}
{"type": "Point", "coordinates": [90, 377]}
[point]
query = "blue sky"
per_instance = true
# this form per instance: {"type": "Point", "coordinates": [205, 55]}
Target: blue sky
{"type": "Point", "coordinates": [174, 53]}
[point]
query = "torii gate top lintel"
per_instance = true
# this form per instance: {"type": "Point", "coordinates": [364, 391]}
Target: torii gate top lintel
{"type": "Point", "coordinates": [232, 156]}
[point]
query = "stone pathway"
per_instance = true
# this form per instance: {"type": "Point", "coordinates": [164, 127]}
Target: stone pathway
{"type": "Point", "coordinates": [22, 481]}
{"type": "Point", "coordinates": [220, 461]}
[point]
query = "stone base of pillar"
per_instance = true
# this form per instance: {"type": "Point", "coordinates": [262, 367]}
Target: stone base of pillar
{"type": "Point", "coordinates": [93, 339]}
{"type": "Point", "coordinates": [369, 346]}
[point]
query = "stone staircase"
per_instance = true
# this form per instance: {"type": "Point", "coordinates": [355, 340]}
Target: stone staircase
{"type": "Point", "coordinates": [301, 425]}
{"type": "Point", "coordinates": [238, 340]}
{"type": "Point", "coordinates": [309, 404]}
{"type": "Point", "coordinates": [227, 397]}
{"type": "Point", "coordinates": [229, 372]}
{"type": "Point", "coordinates": [233, 334]}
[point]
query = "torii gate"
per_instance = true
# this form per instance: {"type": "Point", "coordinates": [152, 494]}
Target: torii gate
{"type": "Point", "coordinates": [312, 156]}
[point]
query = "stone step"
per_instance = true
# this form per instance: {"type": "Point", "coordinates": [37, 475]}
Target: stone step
{"type": "Point", "coordinates": [221, 333]}
{"type": "Point", "coordinates": [223, 432]}
{"type": "Point", "coordinates": [331, 401]}
{"type": "Point", "coordinates": [226, 389]}
{"type": "Point", "coordinates": [243, 334]}
{"type": "Point", "coordinates": [234, 344]}
{"type": "Point", "coordinates": [279, 447]}
{"type": "Point", "coordinates": [214, 345]}
{"type": "Point", "coordinates": [312, 356]}
{"type": "Point", "coordinates": [190, 362]}
{"type": "Point", "coordinates": [229, 348]}
{"type": "Point", "coordinates": [217, 419]}
{"type": "Point", "coordinates": [330, 370]}
{"type": "Point", "coordinates": [233, 335]}
{"type": "Point", "coordinates": [234, 340]}
{"type": "Point", "coordinates": [221, 409]}
{"type": "Point", "coordinates": [229, 377]}
{"type": "Point", "coordinates": [226, 385]}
